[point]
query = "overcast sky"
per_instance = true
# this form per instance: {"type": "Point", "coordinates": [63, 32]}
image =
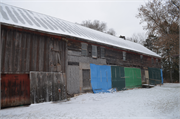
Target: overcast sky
{"type": "Point", "coordinates": [117, 14]}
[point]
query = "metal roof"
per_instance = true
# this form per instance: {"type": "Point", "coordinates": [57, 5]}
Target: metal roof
{"type": "Point", "coordinates": [28, 19]}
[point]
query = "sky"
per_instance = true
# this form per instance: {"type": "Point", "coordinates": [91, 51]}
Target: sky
{"type": "Point", "coordinates": [117, 14]}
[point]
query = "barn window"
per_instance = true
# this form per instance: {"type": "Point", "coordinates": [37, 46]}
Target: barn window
{"type": "Point", "coordinates": [124, 56]}
{"type": "Point", "coordinates": [141, 56]}
{"type": "Point", "coordinates": [83, 49]}
{"type": "Point", "coordinates": [102, 52]}
{"type": "Point", "coordinates": [94, 51]}
{"type": "Point", "coordinates": [156, 60]}
{"type": "Point", "coordinates": [152, 60]}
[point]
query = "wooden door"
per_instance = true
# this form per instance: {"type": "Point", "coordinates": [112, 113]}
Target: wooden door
{"type": "Point", "coordinates": [147, 76]}
{"type": "Point", "coordinates": [86, 78]}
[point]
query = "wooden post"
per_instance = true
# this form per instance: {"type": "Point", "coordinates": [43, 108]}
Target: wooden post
{"type": "Point", "coordinates": [0, 63]}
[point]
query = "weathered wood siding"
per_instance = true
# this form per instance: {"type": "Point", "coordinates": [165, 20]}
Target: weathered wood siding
{"type": "Point", "coordinates": [47, 86]}
{"type": "Point", "coordinates": [113, 56]}
{"type": "Point", "coordinates": [23, 52]}
{"type": "Point", "coordinates": [73, 80]}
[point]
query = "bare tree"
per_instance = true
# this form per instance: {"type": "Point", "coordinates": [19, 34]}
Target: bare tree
{"type": "Point", "coordinates": [162, 18]}
{"type": "Point", "coordinates": [96, 25]}
{"type": "Point", "coordinates": [138, 38]}
{"type": "Point", "coordinates": [99, 26]}
{"type": "Point", "coordinates": [111, 32]}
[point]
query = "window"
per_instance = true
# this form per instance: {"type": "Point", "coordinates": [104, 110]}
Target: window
{"type": "Point", "coordinates": [152, 60]}
{"type": "Point", "coordinates": [141, 56]}
{"type": "Point", "coordinates": [157, 61]}
{"type": "Point", "coordinates": [124, 56]}
{"type": "Point", "coordinates": [102, 52]}
{"type": "Point", "coordinates": [83, 49]}
{"type": "Point", "coordinates": [94, 51]}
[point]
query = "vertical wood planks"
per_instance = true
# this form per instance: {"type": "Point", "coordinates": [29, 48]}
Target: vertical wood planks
{"type": "Point", "coordinates": [41, 54]}
{"type": "Point", "coordinates": [51, 65]}
{"type": "Point", "coordinates": [15, 90]}
{"type": "Point", "coordinates": [34, 53]}
{"type": "Point", "coordinates": [64, 55]}
{"type": "Point", "coordinates": [19, 48]}
{"type": "Point", "coordinates": [24, 52]}
{"type": "Point", "coordinates": [49, 86]}
{"type": "Point", "coordinates": [37, 50]}
{"type": "Point", "coordinates": [54, 54]}
{"type": "Point", "coordinates": [45, 86]}
{"type": "Point", "coordinates": [46, 55]}
{"type": "Point", "coordinates": [33, 86]}
{"type": "Point", "coordinates": [3, 38]}
{"type": "Point", "coordinates": [10, 36]}
{"type": "Point", "coordinates": [8, 49]}
{"type": "Point", "coordinates": [28, 43]}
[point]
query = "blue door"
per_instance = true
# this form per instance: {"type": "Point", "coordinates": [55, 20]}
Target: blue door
{"type": "Point", "coordinates": [161, 76]}
{"type": "Point", "coordinates": [100, 78]}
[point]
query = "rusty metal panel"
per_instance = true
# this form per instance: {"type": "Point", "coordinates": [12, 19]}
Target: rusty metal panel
{"type": "Point", "coordinates": [15, 90]}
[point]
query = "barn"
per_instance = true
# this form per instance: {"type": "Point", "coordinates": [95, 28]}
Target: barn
{"type": "Point", "coordinates": [44, 58]}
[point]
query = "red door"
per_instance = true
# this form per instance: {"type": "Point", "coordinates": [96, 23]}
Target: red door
{"type": "Point", "coordinates": [15, 90]}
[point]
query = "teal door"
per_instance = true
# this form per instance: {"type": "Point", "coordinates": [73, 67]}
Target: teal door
{"type": "Point", "coordinates": [118, 79]}
{"type": "Point", "coordinates": [154, 76]}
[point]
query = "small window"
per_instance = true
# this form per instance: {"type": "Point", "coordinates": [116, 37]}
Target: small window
{"type": "Point", "coordinates": [141, 56]}
{"type": "Point", "coordinates": [83, 49]}
{"type": "Point", "coordinates": [124, 56]}
{"type": "Point", "coordinates": [94, 51]}
{"type": "Point", "coordinates": [102, 52]}
{"type": "Point", "coordinates": [152, 60]}
{"type": "Point", "coordinates": [156, 60]}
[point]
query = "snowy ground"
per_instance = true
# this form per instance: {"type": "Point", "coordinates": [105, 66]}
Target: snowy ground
{"type": "Point", "coordinates": [154, 103]}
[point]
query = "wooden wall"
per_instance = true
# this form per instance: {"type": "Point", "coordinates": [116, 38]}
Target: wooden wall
{"type": "Point", "coordinates": [47, 86]}
{"type": "Point", "coordinates": [24, 51]}
{"type": "Point", "coordinates": [114, 56]}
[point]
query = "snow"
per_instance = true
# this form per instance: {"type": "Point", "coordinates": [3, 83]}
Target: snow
{"type": "Point", "coordinates": [160, 102]}
{"type": "Point", "coordinates": [147, 85]}
{"type": "Point", "coordinates": [53, 25]}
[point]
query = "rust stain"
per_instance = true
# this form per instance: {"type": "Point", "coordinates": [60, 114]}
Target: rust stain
{"type": "Point", "coordinates": [15, 90]}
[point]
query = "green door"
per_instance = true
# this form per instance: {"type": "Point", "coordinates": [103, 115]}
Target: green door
{"type": "Point", "coordinates": [154, 76]}
{"type": "Point", "coordinates": [118, 80]}
{"type": "Point", "coordinates": [132, 77]}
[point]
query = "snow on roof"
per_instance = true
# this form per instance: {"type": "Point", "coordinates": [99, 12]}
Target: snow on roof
{"type": "Point", "coordinates": [28, 19]}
